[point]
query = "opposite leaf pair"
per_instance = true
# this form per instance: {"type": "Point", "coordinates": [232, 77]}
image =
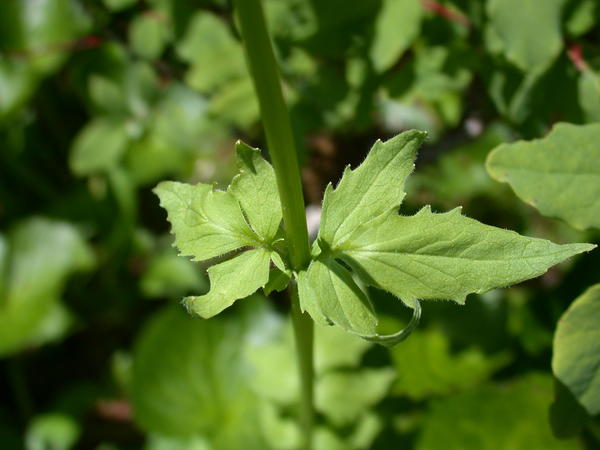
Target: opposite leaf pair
{"type": "Point", "coordinates": [425, 256]}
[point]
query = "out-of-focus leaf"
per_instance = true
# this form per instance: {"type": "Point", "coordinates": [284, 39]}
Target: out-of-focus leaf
{"type": "Point", "coordinates": [118, 5]}
{"type": "Point", "coordinates": [40, 255]}
{"type": "Point", "coordinates": [343, 397]}
{"type": "Point", "coordinates": [99, 146]}
{"type": "Point", "coordinates": [559, 174]}
{"type": "Point", "coordinates": [582, 18]}
{"type": "Point", "coordinates": [52, 431]}
{"type": "Point", "coordinates": [148, 35]}
{"type": "Point", "coordinates": [576, 358]}
{"type": "Point", "coordinates": [425, 366]}
{"type": "Point", "coordinates": [532, 38]}
{"type": "Point", "coordinates": [567, 416]}
{"type": "Point", "coordinates": [189, 376]}
{"type": "Point", "coordinates": [397, 24]}
{"type": "Point", "coordinates": [164, 442]}
{"type": "Point", "coordinates": [589, 95]}
{"type": "Point", "coordinates": [484, 418]}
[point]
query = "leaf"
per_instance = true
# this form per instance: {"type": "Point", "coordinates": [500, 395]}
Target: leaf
{"type": "Point", "coordinates": [397, 25]}
{"type": "Point", "coordinates": [189, 376]}
{"type": "Point", "coordinates": [343, 397]}
{"type": "Point", "coordinates": [231, 280]}
{"type": "Point", "coordinates": [36, 258]}
{"type": "Point", "coordinates": [54, 430]}
{"type": "Point", "coordinates": [328, 293]}
{"type": "Point", "coordinates": [532, 38]}
{"type": "Point", "coordinates": [375, 187]}
{"type": "Point", "coordinates": [447, 256]}
{"type": "Point", "coordinates": [426, 366]}
{"type": "Point", "coordinates": [576, 358]}
{"type": "Point", "coordinates": [425, 256]}
{"type": "Point", "coordinates": [558, 174]}
{"type": "Point", "coordinates": [99, 146]}
{"type": "Point", "coordinates": [209, 223]}
{"type": "Point", "coordinates": [256, 189]}
{"type": "Point", "coordinates": [148, 35]}
{"type": "Point", "coordinates": [206, 222]}
{"type": "Point", "coordinates": [508, 417]}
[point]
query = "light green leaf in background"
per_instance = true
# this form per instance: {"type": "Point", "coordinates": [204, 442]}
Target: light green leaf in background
{"type": "Point", "coordinates": [52, 431]}
{"type": "Point", "coordinates": [447, 256]}
{"type": "Point", "coordinates": [426, 366]}
{"type": "Point", "coordinates": [148, 34]}
{"type": "Point", "coordinates": [589, 94]}
{"type": "Point", "coordinates": [37, 256]}
{"type": "Point", "coordinates": [397, 25]}
{"type": "Point", "coordinates": [118, 5]}
{"type": "Point", "coordinates": [528, 31]}
{"type": "Point", "coordinates": [576, 358]}
{"type": "Point", "coordinates": [189, 376]}
{"type": "Point", "coordinates": [99, 146]}
{"type": "Point", "coordinates": [558, 174]}
{"type": "Point", "coordinates": [373, 188]}
{"type": "Point", "coordinates": [509, 417]}
{"type": "Point", "coordinates": [231, 280]}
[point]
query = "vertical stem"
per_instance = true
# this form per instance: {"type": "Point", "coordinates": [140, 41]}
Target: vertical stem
{"type": "Point", "coordinates": [280, 141]}
{"type": "Point", "coordinates": [303, 334]}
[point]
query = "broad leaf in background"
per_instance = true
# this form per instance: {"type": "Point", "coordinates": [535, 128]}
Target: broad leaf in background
{"type": "Point", "coordinates": [576, 358]}
{"type": "Point", "coordinates": [420, 257]}
{"type": "Point", "coordinates": [189, 376]}
{"type": "Point", "coordinates": [510, 417]}
{"type": "Point", "coordinates": [397, 25]}
{"type": "Point", "coordinates": [208, 223]}
{"type": "Point", "coordinates": [532, 38]}
{"type": "Point", "coordinates": [559, 174]}
{"type": "Point", "coordinates": [37, 257]}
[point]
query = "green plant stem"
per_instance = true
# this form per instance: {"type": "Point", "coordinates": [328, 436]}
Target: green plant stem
{"type": "Point", "coordinates": [280, 141]}
{"type": "Point", "coordinates": [304, 336]}
{"type": "Point", "coordinates": [278, 129]}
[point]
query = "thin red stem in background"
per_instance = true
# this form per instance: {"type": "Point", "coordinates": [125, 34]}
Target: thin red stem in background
{"type": "Point", "coordinates": [446, 12]}
{"type": "Point", "coordinates": [575, 54]}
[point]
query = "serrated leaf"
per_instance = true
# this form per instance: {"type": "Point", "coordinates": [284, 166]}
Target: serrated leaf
{"type": "Point", "coordinates": [206, 222]}
{"type": "Point", "coordinates": [576, 358]}
{"type": "Point", "coordinates": [328, 293]}
{"type": "Point", "coordinates": [375, 187]}
{"type": "Point", "coordinates": [559, 174]}
{"type": "Point", "coordinates": [532, 38]}
{"type": "Point", "coordinates": [447, 256]}
{"type": "Point", "coordinates": [256, 190]}
{"type": "Point", "coordinates": [230, 281]}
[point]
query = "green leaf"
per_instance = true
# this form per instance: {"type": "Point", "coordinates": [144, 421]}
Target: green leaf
{"type": "Point", "coordinates": [343, 397]}
{"type": "Point", "coordinates": [231, 280]}
{"type": "Point", "coordinates": [148, 35]}
{"type": "Point", "coordinates": [426, 366]}
{"type": "Point", "coordinates": [36, 258]}
{"type": "Point", "coordinates": [52, 431]}
{"type": "Point", "coordinates": [397, 25]}
{"type": "Point", "coordinates": [118, 5]}
{"type": "Point", "coordinates": [328, 293]}
{"type": "Point", "coordinates": [507, 417]}
{"type": "Point", "coordinates": [559, 174]}
{"type": "Point", "coordinates": [206, 222]}
{"type": "Point", "coordinates": [256, 189]}
{"type": "Point", "coordinates": [189, 376]}
{"type": "Point", "coordinates": [532, 38]}
{"type": "Point", "coordinates": [99, 146]}
{"type": "Point", "coordinates": [576, 358]}
{"type": "Point", "coordinates": [447, 256]}
{"type": "Point", "coordinates": [589, 94]}
{"type": "Point", "coordinates": [374, 188]}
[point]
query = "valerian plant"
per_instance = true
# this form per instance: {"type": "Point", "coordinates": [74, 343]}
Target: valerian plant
{"type": "Point", "coordinates": [425, 256]}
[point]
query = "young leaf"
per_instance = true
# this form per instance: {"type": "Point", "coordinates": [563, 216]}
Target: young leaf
{"type": "Point", "coordinates": [375, 187]}
{"type": "Point", "coordinates": [559, 174]}
{"type": "Point", "coordinates": [426, 256]}
{"type": "Point", "coordinates": [576, 359]}
{"type": "Point", "coordinates": [209, 223]}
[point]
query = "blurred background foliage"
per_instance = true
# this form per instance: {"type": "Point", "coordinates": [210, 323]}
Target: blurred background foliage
{"type": "Point", "coordinates": [101, 99]}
